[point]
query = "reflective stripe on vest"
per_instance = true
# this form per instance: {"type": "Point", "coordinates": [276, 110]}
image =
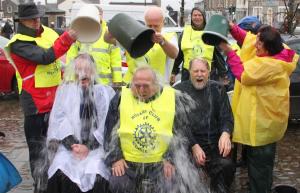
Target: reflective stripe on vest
{"type": "Point", "coordinates": [102, 54]}
{"type": "Point", "coordinates": [192, 46]}
{"type": "Point", "coordinates": [44, 75]}
{"type": "Point", "coordinates": [155, 57]}
{"type": "Point", "coordinates": [146, 128]}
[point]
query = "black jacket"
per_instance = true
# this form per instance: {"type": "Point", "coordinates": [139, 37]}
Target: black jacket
{"type": "Point", "coordinates": [212, 113]}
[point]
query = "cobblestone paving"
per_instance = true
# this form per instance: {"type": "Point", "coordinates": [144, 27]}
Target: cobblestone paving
{"type": "Point", "coordinates": [287, 170]}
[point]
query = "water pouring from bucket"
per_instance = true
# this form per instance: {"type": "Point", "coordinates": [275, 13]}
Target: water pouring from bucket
{"type": "Point", "coordinates": [131, 34]}
{"type": "Point", "coordinates": [87, 24]}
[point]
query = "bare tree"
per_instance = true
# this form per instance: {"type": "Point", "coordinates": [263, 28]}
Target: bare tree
{"type": "Point", "coordinates": [290, 20]}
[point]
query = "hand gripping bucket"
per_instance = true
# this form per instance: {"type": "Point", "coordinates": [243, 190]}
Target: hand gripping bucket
{"type": "Point", "coordinates": [216, 30]}
{"type": "Point", "coordinates": [87, 24]}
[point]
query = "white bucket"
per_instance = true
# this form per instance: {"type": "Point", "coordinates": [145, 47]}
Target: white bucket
{"type": "Point", "coordinates": [87, 24]}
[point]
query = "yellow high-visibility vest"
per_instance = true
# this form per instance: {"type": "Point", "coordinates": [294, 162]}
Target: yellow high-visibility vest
{"type": "Point", "coordinates": [261, 100]}
{"type": "Point", "coordinates": [192, 46]}
{"type": "Point", "coordinates": [155, 57]}
{"type": "Point", "coordinates": [106, 56]}
{"type": "Point", "coordinates": [44, 75]}
{"type": "Point", "coordinates": [146, 128]}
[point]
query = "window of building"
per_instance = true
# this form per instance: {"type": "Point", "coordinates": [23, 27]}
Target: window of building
{"type": "Point", "coordinates": [281, 13]}
{"type": "Point", "coordinates": [270, 16]}
{"type": "Point", "coordinates": [258, 11]}
{"type": "Point", "coordinates": [9, 9]}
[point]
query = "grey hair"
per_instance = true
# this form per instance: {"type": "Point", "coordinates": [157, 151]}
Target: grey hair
{"type": "Point", "coordinates": [201, 60]}
{"type": "Point", "coordinates": [147, 68]}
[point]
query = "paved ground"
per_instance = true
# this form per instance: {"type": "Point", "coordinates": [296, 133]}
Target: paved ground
{"type": "Point", "coordinates": [287, 170]}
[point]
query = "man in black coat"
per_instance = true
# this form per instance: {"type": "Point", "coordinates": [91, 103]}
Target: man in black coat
{"type": "Point", "coordinates": [211, 124]}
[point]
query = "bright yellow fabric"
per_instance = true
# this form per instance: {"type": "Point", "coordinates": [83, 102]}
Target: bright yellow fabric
{"type": "Point", "coordinates": [106, 56]}
{"type": "Point", "coordinates": [261, 100]}
{"type": "Point", "coordinates": [146, 128]}
{"type": "Point", "coordinates": [44, 75]}
{"type": "Point", "coordinates": [155, 57]}
{"type": "Point", "coordinates": [192, 46]}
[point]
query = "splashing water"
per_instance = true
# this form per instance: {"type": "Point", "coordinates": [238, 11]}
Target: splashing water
{"type": "Point", "coordinates": [188, 178]}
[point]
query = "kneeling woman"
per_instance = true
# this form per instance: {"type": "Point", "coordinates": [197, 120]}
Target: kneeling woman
{"type": "Point", "coordinates": [75, 133]}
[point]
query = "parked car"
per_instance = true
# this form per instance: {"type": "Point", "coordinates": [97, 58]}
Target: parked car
{"type": "Point", "coordinates": [8, 82]}
{"type": "Point", "coordinates": [294, 43]}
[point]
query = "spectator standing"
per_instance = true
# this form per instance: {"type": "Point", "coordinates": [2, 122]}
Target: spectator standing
{"type": "Point", "coordinates": [261, 98]}
{"type": "Point", "coordinates": [34, 51]}
{"type": "Point", "coordinates": [191, 45]}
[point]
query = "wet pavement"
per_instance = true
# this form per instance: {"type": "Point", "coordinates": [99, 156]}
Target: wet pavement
{"type": "Point", "coordinates": [287, 163]}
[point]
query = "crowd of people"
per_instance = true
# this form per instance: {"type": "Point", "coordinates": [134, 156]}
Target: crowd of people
{"type": "Point", "coordinates": [147, 136]}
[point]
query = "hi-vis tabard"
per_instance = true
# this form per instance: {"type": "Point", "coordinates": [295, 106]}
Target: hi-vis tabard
{"type": "Point", "coordinates": [107, 58]}
{"type": "Point", "coordinates": [44, 75]}
{"type": "Point", "coordinates": [192, 46]}
{"type": "Point", "coordinates": [155, 57]}
{"type": "Point", "coordinates": [146, 128]}
{"type": "Point", "coordinates": [260, 102]}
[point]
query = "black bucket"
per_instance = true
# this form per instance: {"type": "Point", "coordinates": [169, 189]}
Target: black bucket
{"type": "Point", "coordinates": [284, 189]}
{"type": "Point", "coordinates": [132, 35]}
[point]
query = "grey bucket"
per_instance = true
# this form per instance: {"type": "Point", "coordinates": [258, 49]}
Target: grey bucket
{"type": "Point", "coordinates": [216, 30]}
{"type": "Point", "coordinates": [131, 34]}
{"type": "Point", "coordinates": [284, 189]}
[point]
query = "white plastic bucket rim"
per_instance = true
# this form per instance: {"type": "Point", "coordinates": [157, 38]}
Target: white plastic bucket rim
{"type": "Point", "coordinates": [87, 24]}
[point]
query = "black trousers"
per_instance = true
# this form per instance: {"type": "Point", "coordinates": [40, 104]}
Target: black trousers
{"type": "Point", "coordinates": [260, 162]}
{"type": "Point", "coordinates": [60, 183]}
{"type": "Point", "coordinates": [220, 169]}
{"type": "Point", "coordinates": [35, 127]}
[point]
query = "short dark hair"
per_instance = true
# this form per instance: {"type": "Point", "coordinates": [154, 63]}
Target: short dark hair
{"type": "Point", "coordinates": [271, 39]}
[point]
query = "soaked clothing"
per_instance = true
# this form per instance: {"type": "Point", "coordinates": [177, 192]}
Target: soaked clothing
{"type": "Point", "coordinates": [78, 117]}
{"type": "Point", "coordinates": [142, 178]}
{"type": "Point", "coordinates": [211, 117]}
{"type": "Point", "coordinates": [113, 117]}
{"type": "Point", "coordinates": [60, 183]}
{"type": "Point", "coordinates": [139, 173]}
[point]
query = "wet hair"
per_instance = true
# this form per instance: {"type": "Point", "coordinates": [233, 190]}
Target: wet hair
{"type": "Point", "coordinates": [203, 15]}
{"type": "Point", "coordinates": [81, 59]}
{"type": "Point", "coordinates": [271, 39]}
{"type": "Point", "coordinates": [147, 68]}
{"type": "Point", "coordinates": [201, 60]}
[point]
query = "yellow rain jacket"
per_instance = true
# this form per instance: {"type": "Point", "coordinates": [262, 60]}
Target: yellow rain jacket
{"type": "Point", "coordinates": [261, 100]}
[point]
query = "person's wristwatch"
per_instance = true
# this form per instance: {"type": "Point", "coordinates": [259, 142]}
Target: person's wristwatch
{"type": "Point", "coordinates": [162, 42]}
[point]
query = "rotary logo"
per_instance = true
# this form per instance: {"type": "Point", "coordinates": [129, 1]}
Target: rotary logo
{"type": "Point", "coordinates": [144, 137]}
